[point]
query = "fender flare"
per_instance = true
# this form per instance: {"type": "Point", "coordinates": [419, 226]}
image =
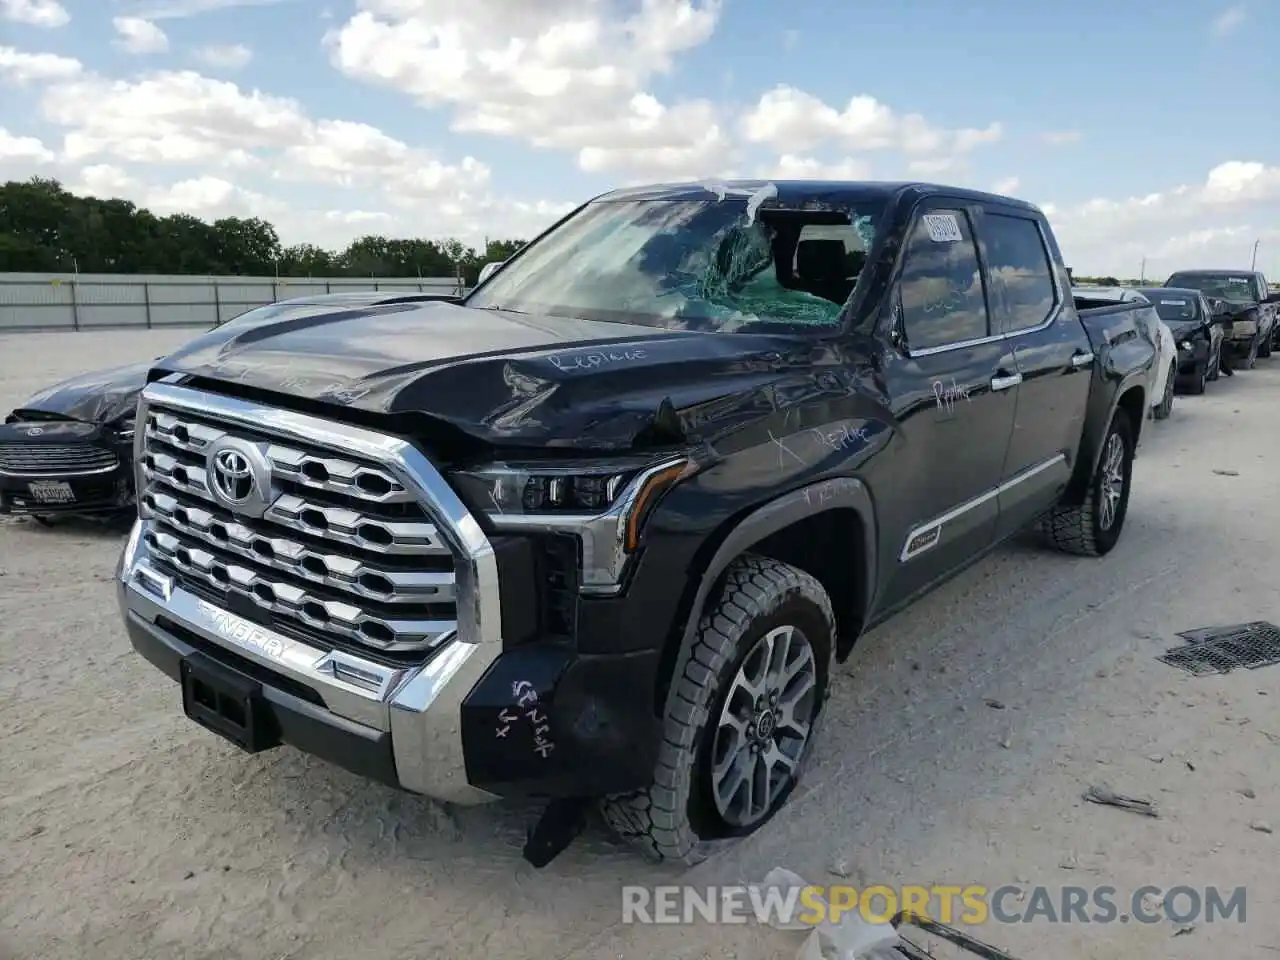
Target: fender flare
{"type": "Point", "coordinates": [838, 493]}
{"type": "Point", "coordinates": [1093, 436]}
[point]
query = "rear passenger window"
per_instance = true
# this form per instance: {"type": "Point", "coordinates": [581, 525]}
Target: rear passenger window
{"type": "Point", "coordinates": [1020, 269]}
{"type": "Point", "coordinates": [941, 290]}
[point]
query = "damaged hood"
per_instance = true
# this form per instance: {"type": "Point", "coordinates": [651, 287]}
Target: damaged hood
{"type": "Point", "coordinates": [501, 377]}
{"type": "Point", "coordinates": [98, 397]}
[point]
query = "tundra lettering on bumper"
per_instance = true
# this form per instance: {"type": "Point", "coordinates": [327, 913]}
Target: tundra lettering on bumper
{"type": "Point", "coordinates": [323, 586]}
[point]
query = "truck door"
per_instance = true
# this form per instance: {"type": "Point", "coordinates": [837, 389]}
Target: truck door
{"type": "Point", "coordinates": [1033, 309]}
{"type": "Point", "coordinates": [951, 385]}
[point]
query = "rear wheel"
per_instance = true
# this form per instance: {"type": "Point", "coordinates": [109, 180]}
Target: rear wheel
{"type": "Point", "coordinates": [741, 715]}
{"type": "Point", "coordinates": [1093, 527]}
{"type": "Point", "coordinates": [42, 520]}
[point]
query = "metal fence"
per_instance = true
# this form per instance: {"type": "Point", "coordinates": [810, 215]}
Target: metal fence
{"type": "Point", "coordinates": [65, 301]}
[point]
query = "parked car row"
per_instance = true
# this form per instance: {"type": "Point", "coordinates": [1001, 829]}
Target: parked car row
{"type": "Point", "coordinates": [1204, 323]}
{"type": "Point", "coordinates": [600, 530]}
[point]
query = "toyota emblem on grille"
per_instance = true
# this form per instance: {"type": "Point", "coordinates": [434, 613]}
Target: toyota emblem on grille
{"type": "Point", "coordinates": [239, 476]}
{"type": "Point", "coordinates": [35, 432]}
{"type": "Point", "coordinates": [233, 476]}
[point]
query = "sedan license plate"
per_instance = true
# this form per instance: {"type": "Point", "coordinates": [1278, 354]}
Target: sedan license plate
{"type": "Point", "coordinates": [51, 491]}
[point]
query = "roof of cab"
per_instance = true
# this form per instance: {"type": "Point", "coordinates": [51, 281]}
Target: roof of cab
{"type": "Point", "coordinates": [796, 193]}
{"type": "Point", "coordinates": [1213, 273]}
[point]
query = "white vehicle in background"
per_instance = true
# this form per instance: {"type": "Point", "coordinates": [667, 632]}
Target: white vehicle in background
{"type": "Point", "coordinates": [1163, 371]}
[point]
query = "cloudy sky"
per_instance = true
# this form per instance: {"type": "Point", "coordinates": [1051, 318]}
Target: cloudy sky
{"type": "Point", "coordinates": [1144, 130]}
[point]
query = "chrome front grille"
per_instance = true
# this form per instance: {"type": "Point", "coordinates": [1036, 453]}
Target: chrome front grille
{"type": "Point", "coordinates": [46, 459]}
{"type": "Point", "coordinates": [342, 550]}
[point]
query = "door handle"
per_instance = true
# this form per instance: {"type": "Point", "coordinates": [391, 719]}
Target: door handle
{"type": "Point", "coordinates": [1079, 360]}
{"type": "Point", "coordinates": [1004, 383]}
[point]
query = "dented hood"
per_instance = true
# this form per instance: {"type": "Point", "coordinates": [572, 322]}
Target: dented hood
{"type": "Point", "coordinates": [498, 376]}
{"type": "Point", "coordinates": [98, 397]}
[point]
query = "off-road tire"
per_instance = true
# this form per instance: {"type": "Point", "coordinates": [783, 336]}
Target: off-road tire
{"type": "Point", "coordinates": [1215, 365]}
{"type": "Point", "coordinates": [1078, 528]}
{"type": "Point", "coordinates": [1162, 411]}
{"type": "Point", "coordinates": [1264, 348]}
{"type": "Point", "coordinates": [42, 519]}
{"type": "Point", "coordinates": [673, 819]}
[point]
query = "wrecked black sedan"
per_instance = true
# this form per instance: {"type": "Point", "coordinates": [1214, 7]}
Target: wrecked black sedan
{"type": "Point", "coordinates": [69, 448]}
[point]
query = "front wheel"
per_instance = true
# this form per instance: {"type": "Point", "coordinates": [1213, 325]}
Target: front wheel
{"type": "Point", "coordinates": [1250, 358]}
{"type": "Point", "coordinates": [740, 717]}
{"type": "Point", "coordinates": [1264, 346]}
{"type": "Point", "coordinates": [1201, 377]}
{"type": "Point", "coordinates": [1215, 365]}
{"type": "Point", "coordinates": [1092, 528]}
{"type": "Point", "coordinates": [1165, 407]}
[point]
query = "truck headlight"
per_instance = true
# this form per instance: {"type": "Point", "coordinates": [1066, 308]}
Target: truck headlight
{"type": "Point", "coordinates": [1186, 345]}
{"type": "Point", "coordinates": [603, 503]}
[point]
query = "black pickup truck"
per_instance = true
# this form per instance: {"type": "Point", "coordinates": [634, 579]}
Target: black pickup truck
{"type": "Point", "coordinates": [601, 530]}
{"type": "Point", "coordinates": [1242, 302]}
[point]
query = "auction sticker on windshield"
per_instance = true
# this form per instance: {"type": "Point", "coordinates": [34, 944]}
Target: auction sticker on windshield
{"type": "Point", "coordinates": [942, 227]}
{"type": "Point", "coordinates": [1173, 303]}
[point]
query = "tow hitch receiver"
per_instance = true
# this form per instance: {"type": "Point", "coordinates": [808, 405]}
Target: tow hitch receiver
{"type": "Point", "coordinates": [226, 703]}
{"type": "Point", "coordinates": [559, 826]}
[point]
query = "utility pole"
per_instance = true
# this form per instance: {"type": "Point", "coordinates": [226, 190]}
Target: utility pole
{"type": "Point", "coordinates": [1142, 274]}
{"type": "Point", "coordinates": [1253, 262]}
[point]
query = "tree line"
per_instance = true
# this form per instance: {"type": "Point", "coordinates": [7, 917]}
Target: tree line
{"type": "Point", "coordinates": [45, 228]}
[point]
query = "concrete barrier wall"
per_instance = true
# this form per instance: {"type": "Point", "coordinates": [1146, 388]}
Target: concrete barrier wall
{"type": "Point", "coordinates": [64, 301]}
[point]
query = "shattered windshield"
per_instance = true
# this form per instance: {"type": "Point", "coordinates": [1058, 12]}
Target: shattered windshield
{"type": "Point", "coordinates": [720, 264]}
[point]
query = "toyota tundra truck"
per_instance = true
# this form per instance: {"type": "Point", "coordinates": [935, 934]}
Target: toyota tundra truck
{"type": "Point", "coordinates": [599, 532]}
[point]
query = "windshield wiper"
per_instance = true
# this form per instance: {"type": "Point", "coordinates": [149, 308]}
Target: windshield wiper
{"type": "Point", "coordinates": [523, 313]}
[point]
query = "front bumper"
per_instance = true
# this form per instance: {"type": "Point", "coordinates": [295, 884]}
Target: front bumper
{"type": "Point", "coordinates": [476, 722]}
{"type": "Point", "coordinates": [1190, 362]}
{"type": "Point", "coordinates": [63, 468]}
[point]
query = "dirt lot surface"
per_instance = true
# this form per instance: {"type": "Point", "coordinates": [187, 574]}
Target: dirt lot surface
{"type": "Point", "coordinates": [958, 742]}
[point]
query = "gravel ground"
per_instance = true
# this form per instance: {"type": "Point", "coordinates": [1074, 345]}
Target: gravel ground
{"type": "Point", "coordinates": [958, 742]}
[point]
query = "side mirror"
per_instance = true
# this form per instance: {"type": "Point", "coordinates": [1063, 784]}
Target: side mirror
{"type": "Point", "coordinates": [488, 270]}
{"type": "Point", "coordinates": [1272, 298]}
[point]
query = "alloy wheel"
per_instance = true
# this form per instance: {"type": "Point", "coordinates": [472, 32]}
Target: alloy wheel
{"type": "Point", "coordinates": [764, 726]}
{"type": "Point", "coordinates": [1112, 485]}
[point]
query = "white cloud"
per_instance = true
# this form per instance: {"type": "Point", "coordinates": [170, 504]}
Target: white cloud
{"type": "Point", "coordinates": [244, 152]}
{"type": "Point", "coordinates": [560, 74]}
{"type": "Point", "coordinates": [1006, 187]}
{"type": "Point", "coordinates": [1061, 137]}
{"type": "Point", "coordinates": [139, 36]}
{"type": "Point", "coordinates": [229, 57]}
{"type": "Point", "coordinates": [789, 166]}
{"type": "Point", "coordinates": [1212, 223]}
{"type": "Point", "coordinates": [19, 67]}
{"type": "Point", "coordinates": [35, 13]}
{"type": "Point", "coordinates": [788, 118]}
{"type": "Point", "coordinates": [1228, 21]}
{"type": "Point", "coordinates": [19, 155]}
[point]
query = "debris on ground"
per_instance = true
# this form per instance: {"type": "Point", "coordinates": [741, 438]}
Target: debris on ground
{"type": "Point", "coordinates": [1183, 930]}
{"type": "Point", "coordinates": [849, 937]}
{"type": "Point", "coordinates": [1247, 793]}
{"type": "Point", "coordinates": [993, 704]}
{"type": "Point", "coordinates": [1227, 473]}
{"type": "Point", "coordinates": [1260, 826]}
{"type": "Point", "coordinates": [1107, 797]}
